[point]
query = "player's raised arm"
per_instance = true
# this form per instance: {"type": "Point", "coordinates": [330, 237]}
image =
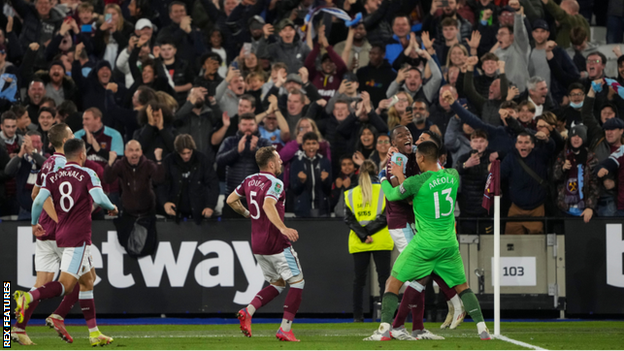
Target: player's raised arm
{"type": "Point", "coordinates": [271, 212]}
{"type": "Point", "coordinates": [235, 203]}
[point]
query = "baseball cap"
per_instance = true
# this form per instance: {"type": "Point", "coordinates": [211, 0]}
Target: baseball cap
{"type": "Point", "coordinates": [613, 123]}
{"type": "Point", "coordinates": [293, 77]}
{"type": "Point", "coordinates": [142, 23]}
{"type": "Point", "coordinates": [541, 24]}
{"type": "Point", "coordinates": [506, 9]}
{"type": "Point", "coordinates": [285, 23]}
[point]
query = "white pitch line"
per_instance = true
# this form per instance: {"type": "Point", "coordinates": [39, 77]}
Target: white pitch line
{"type": "Point", "coordinates": [519, 343]}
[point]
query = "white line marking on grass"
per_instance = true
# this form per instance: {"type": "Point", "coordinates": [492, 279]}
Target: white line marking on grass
{"type": "Point", "coordinates": [519, 343]}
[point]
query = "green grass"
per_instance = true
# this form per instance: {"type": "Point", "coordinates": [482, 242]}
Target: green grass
{"type": "Point", "coordinates": [548, 335]}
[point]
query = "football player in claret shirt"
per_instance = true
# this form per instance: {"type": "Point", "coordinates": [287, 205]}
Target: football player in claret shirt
{"type": "Point", "coordinates": [73, 189]}
{"type": "Point", "coordinates": [270, 241]}
{"type": "Point", "coordinates": [47, 254]}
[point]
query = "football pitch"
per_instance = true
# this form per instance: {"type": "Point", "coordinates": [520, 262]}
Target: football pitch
{"type": "Point", "coordinates": [556, 335]}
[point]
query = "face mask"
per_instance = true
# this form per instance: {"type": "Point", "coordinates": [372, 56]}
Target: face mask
{"type": "Point", "coordinates": [576, 105]}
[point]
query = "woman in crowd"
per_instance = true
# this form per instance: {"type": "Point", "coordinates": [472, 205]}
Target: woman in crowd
{"type": "Point", "coordinates": [397, 113]}
{"type": "Point", "coordinates": [365, 204]}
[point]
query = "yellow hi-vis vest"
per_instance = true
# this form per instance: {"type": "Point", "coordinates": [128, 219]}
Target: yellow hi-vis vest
{"type": "Point", "coordinates": [366, 214]}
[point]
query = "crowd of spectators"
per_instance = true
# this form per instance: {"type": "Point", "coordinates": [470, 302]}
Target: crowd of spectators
{"type": "Point", "coordinates": [173, 98]}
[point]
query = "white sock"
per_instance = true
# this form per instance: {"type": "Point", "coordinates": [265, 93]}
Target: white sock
{"type": "Point", "coordinates": [251, 309]}
{"type": "Point", "coordinates": [383, 327]}
{"type": "Point", "coordinates": [286, 324]}
{"type": "Point", "coordinates": [457, 304]}
{"type": "Point", "coordinates": [93, 330]}
{"type": "Point", "coordinates": [481, 327]}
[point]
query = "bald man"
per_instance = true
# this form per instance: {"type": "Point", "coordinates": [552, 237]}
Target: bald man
{"type": "Point", "coordinates": [567, 17]}
{"type": "Point", "coordinates": [137, 174]}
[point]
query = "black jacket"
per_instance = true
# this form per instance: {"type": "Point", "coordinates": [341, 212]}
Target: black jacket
{"type": "Point", "coordinates": [202, 188]}
{"type": "Point", "coordinates": [314, 193]}
{"type": "Point", "coordinates": [32, 23]}
{"type": "Point", "coordinates": [472, 185]}
{"type": "Point", "coordinates": [525, 192]}
{"type": "Point", "coordinates": [238, 165]}
{"type": "Point", "coordinates": [376, 80]}
{"type": "Point", "coordinates": [151, 139]}
{"type": "Point", "coordinates": [93, 92]}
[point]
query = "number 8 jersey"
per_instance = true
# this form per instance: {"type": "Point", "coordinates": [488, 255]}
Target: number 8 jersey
{"type": "Point", "coordinates": [266, 239]}
{"type": "Point", "coordinates": [69, 188]}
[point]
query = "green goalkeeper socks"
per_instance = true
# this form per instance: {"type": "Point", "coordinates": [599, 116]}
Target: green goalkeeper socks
{"type": "Point", "coordinates": [471, 304]}
{"type": "Point", "coordinates": [389, 304]}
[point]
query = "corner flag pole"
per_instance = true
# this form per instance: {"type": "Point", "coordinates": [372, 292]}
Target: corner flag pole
{"type": "Point", "coordinates": [497, 232]}
{"type": "Point", "coordinates": [496, 268]}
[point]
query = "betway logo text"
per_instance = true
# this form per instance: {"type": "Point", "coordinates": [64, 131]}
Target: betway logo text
{"type": "Point", "coordinates": [165, 260]}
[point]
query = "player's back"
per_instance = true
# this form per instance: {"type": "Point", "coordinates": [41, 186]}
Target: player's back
{"type": "Point", "coordinates": [434, 207]}
{"type": "Point", "coordinates": [51, 165]}
{"type": "Point", "coordinates": [266, 239]}
{"type": "Point", "coordinates": [70, 188]}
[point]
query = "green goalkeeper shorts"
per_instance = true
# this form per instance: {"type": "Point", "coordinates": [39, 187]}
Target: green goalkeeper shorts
{"type": "Point", "coordinates": [418, 262]}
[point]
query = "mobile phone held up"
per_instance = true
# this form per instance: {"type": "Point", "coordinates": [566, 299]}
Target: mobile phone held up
{"type": "Point", "coordinates": [444, 3]}
{"type": "Point", "coordinates": [86, 28]}
{"type": "Point", "coordinates": [108, 17]}
{"type": "Point", "coordinates": [235, 64]}
{"type": "Point", "coordinates": [409, 109]}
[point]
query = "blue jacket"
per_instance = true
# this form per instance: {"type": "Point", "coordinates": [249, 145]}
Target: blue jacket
{"type": "Point", "coordinates": [394, 48]}
{"type": "Point", "coordinates": [314, 193]}
{"type": "Point", "coordinates": [524, 190]}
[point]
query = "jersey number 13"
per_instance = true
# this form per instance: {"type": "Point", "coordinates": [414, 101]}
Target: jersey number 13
{"type": "Point", "coordinates": [436, 200]}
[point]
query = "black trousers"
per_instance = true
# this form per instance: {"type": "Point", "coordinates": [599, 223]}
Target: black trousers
{"type": "Point", "coordinates": [361, 262]}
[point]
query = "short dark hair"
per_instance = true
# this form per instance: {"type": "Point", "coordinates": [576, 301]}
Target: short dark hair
{"type": "Point", "coordinates": [422, 101]}
{"type": "Point", "coordinates": [429, 149]}
{"type": "Point", "coordinates": [380, 46]}
{"type": "Point", "coordinates": [479, 133]}
{"type": "Point", "coordinates": [46, 109]}
{"type": "Point", "coordinates": [249, 98]}
{"type": "Point", "coordinates": [246, 116]}
{"type": "Point", "coordinates": [399, 16]}
{"type": "Point", "coordinates": [67, 108]}
{"type": "Point", "coordinates": [8, 115]}
{"type": "Point", "coordinates": [509, 28]}
{"type": "Point", "coordinates": [309, 136]}
{"type": "Point", "coordinates": [393, 131]}
{"type": "Point", "coordinates": [603, 58]}
{"type": "Point", "coordinates": [509, 104]}
{"type": "Point", "coordinates": [264, 155]}
{"type": "Point", "coordinates": [184, 141]}
{"type": "Point", "coordinates": [620, 60]}
{"type": "Point", "coordinates": [56, 134]}
{"type": "Point", "coordinates": [576, 86]}
{"type": "Point", "coordinates": [46, 99]}
{"type": "Point", "coordinates": [176, 3]}
{"type": "Point", "coordinates": [434, 137]}
{"type": "Point", "coordinates": [212, 55]}
{"type": "Point", "coordinates": [449, 22]}
{"type": "Point", "coordinates": [167, 41]}
{"type": "Point", "coordinates": [19, 110]}
{"type": "Point", "coordinates": [72, 147]}
{"type": "Point", "coordinates": [490, 56]}
{"type": "Point", "coordinates": [525, 134]}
